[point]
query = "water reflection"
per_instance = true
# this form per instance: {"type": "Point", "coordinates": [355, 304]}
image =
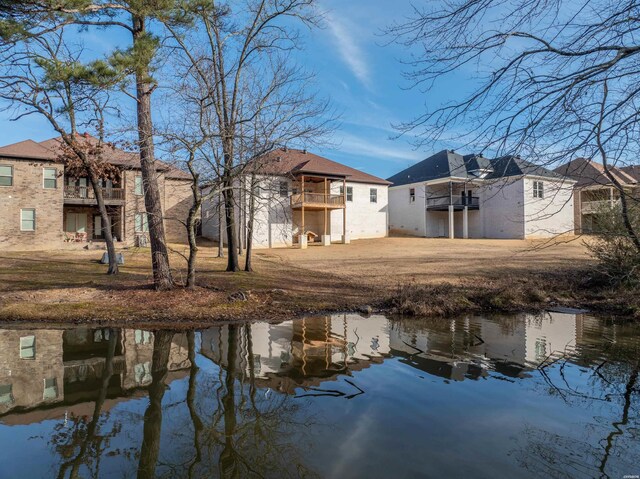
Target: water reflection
{"type": "Point", "coordinates": [554, 395]}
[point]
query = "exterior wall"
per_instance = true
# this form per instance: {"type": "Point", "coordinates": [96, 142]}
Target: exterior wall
{"type": "Point", "coordinates": [276, 224]}
{"type": "Point", "coordinates": [364, 219]}
{"type": "Point", "coordinates": [502, 209]}
{"type": "Point", "coordinates": [552, 215]}
{"type": "Point", "coordinates": [27, 376]}
{"type": "Point", "coordinates": [28, 192]}
{"type": "Point", "coordinates": [406, 217]}
{"type": "Point", "coordinates": [178, 200]}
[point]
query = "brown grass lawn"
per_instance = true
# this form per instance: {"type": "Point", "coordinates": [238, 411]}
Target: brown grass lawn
{"type": "Point", "coordinates": [70, 286]}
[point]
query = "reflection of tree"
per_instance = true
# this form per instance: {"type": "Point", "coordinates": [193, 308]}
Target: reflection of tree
{"type": "Point", "coordinates": [85, 435]}
{"type": "Point", "coordinates": [251, 431]}
{"type": "Point", "coordinates": [191, 397]}
{"type": "Point", "coordinates": [613, 382]}
{"type": "Point", "coordinates": [153, 415]}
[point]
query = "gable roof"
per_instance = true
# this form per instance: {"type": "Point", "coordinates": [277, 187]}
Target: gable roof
{"type": "Point", "coordinates": [590, 173]}
{"type": "Point", "coordinates": [449, 164]}
{"type": "Point", "coordinates": [299, 162]}
{"type": "Point", "coordinates": [28, 149]}
{"type": "Point", "coordinates": [507, 166]}
{"type": "Point", "coordinates": [633, 171]}
{"type": "Point", "coordinates": [50, 149]}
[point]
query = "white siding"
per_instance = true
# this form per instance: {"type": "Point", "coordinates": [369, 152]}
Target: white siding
{"type": "Point", "coordinates": [406, 217]}
{"type": "Point", "coordinates": [502, 206]}
{"type": "Point", "coordinates": [552, 215]}
{"type": "Point", "coordinates": [364, 219]}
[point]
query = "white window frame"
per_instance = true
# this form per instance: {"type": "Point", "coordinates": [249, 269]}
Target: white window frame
{"type": "Point", "coordinates": [11, 176]}
{"type": "Point", "coordinates": [28, 339]}
{"type": "Point", "coordinates": [137, 181]}
{"type": "Point", "coordinates": [349, 196]}
{"type": "Point", "coordinates": [144, 223]}
{"type": "Point", "coordinates": [412, 195]}
{"type": "Point", "coordinates": [53, 387]}
{"type": "Point", "coordinates": [538, 189]}
{"type": "Point", "coordinates": [34, 219]}
{"type": "Point", "coordinates": [44, 178]}
{"type": "Point", "coordinates": [283, 187]}
{"type": "Point", "coordinates": [373, 195]}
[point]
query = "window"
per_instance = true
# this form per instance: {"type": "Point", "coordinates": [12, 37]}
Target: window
{"type": "Point", "coordinates": [349, 192]}
{"type": "Point", "coordinates": [142, 373]}
{"type": "Point", "coordinates": [538, 189]}
{"type": "Point", "coordinates": [138, 190]}
{"type": "Point", "coordinates": [142, 337]}
{"type": "Point", "coordinates": [28, 219]}
{"type": "Point", "coordinates": [50, 178]}
{"type": "Point", "coordinates": [284, 189]}
{"type": "Point", "coordinates": [6, 393]}
{"type": "Point", "coordinates": [412, 195]}
{"type": "Point", "coordinates": [50, 389]}
{"type": "Point", "coordinates": [28, 347]}
{"type": "Point", "coordinates": [6, 175]}
{"type": "Point", "coordinates": [100, 335]}
{"type": "Point", "coordinates": [373, 195]}
{"type": "Point", "coordinates": [142, 223]}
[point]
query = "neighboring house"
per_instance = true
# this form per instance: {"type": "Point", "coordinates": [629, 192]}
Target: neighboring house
{"type": "Point", "coordinates": [594, 191]}
{"type": "Point", "coordinates": [456, 196]}
{"type": "Point", "coordinates": [301, 198]}
{"type": "Point", "coordinates": [42, 207]}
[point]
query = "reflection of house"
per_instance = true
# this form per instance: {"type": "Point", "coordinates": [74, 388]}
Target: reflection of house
{"type": "Point", "coordinates": [594, 191]}
{"type": "Point", "coordinates": [303, 352]}
{"type": "Point", "coordinates": [48, 367]}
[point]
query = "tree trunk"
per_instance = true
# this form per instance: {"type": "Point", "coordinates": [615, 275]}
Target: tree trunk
{"type": "Point", "coordinates": [106, 223]}
{"type": "Point", "coordinates": [191, 400]}
{"type": "Point", "coordinates": [162, 278]}
{"type": "Point", "coordinates": [228, 457]}
{"type": "Point", "coordinates": [153, 415]}
{"type": "Point", "coordinates": [233, 264]}
{"type": "Point", "coordinates": [252, 210]}
{"type": "Point", "coordinates": [191, 232]}
{"type": "Point", "coordinates": [220, 225]}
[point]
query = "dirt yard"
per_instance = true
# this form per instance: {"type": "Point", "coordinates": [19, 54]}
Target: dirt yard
{"type": "Point", "coordinates": [381, 262]}
{"type": "Point", "coordinates": [448, 276]}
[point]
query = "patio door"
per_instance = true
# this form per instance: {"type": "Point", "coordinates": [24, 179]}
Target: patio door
{"type": "Point", "coordinates": [76, 223]}
{"type": "Point", "coordinates": [97, 226]}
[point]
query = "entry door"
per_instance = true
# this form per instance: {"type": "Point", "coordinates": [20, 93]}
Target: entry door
{"type": "Point", "coordinates": [441, 229]}
{"type": "Point", "coordinates": [97, 226]}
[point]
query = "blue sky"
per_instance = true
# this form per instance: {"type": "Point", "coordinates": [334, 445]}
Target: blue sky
{"type": "Point", "coordinates": [354, 68]}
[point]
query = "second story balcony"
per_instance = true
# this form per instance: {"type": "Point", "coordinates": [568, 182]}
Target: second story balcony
{"type": "Point", "coordinates": [84, 195]}
{"type": "Point", "coordinates": [442, 203]}
{"type": "Point", "coordinates": [317, 201]}
{"type": "Point", "coordinates": [599, 206]}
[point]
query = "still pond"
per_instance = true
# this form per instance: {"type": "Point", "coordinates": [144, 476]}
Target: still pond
{"type": "Point", "coordinates": [551, 395]}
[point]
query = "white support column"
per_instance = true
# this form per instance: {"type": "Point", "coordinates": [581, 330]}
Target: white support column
{"type": "Point", "coordinates": [465, 223]}
{"type": "Point", "coordinates": [451, 225]}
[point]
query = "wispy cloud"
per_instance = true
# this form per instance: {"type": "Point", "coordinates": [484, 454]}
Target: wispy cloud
{"type": "Point", "coordinates": [349, 49]}
{"type": "Point", "coordinates": [382, 149]}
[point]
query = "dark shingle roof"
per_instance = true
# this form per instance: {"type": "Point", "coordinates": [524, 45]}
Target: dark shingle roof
{"type": "Point", "coordinates": [507, 166]}
{"type": "Point", "coordinates": [448, 164]}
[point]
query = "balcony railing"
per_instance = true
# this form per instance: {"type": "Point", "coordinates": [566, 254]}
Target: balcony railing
{"type": "Point", "coordinates": [86, 193]}
{"type": "Point", "coordinates": [317, 199]}
{"type": "Point", "coordinates": [459, 202]}
{"type": "Point", "coordinates": [599, 205]}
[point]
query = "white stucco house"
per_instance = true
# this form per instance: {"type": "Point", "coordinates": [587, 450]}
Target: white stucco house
{"type": "Point", "coordinates": [456, 196]}
{"type": "Point", "coordinates": [303, 198]}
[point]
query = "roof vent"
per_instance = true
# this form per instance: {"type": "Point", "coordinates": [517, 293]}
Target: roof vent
{"type": "Point", "coordinates": [304, 152]}
{"type": "Point", "coordinates": [278, 159]}
{"type": "Point", "coordinates": [85, 134]}
{"type": "Point", "coordinates": [284, 149]}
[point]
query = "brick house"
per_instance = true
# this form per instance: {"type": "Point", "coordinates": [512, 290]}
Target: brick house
{"type": "Point", "coordinates": [42, 208]}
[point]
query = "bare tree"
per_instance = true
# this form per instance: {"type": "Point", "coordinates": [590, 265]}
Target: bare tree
{"type": "Point", "coordinates": [239, 59]}
{"type": "Point", "coordinates": [552, 79]}
{"type": "Point", "coordinates": [42, 76]}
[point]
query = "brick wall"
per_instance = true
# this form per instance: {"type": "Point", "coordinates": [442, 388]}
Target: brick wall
{"type": "Point", "coordinates": [27, 191]}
